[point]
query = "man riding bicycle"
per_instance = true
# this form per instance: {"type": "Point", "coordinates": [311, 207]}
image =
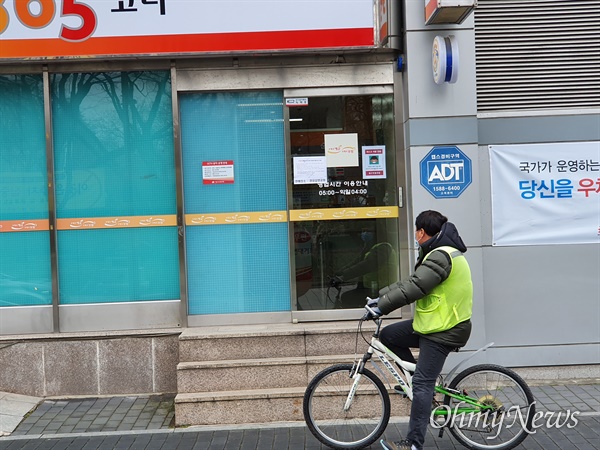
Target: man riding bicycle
{"type": "Point", "coordinates": [442, 288]}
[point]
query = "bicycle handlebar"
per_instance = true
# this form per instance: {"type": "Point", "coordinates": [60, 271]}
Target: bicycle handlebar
{"type": "Point", "coordinates": [334, 282]}
{"type": "Point", "coordinates": [370, 314]}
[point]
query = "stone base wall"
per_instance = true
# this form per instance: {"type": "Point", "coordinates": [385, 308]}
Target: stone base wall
{"type": "Point", "coordinates": [91, 364]}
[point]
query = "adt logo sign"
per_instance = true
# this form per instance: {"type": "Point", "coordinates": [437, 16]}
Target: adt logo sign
{"type": "Point", "coordinates": [446, 172]}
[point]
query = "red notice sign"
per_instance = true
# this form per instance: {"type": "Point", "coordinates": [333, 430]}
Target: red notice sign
{"type": "Point", "coordinates": [217, 172]}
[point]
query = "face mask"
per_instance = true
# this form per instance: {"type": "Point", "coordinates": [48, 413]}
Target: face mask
{"type": "Point", "coordinates": [366, 236]}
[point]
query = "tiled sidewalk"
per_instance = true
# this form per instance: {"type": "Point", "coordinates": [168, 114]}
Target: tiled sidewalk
{"type": "Point", "coordinates": [156, 412]}
{"type": "Point", "coordinates": [148, 413]}
{"type": "Point", "coordinates": [585, 436]}
{"type": "Point", "coordinates": [574, 397]}
{"type": "Point", "coordinates": [133, 423]}
{"type": "Point", "coordinates": [99, 414]}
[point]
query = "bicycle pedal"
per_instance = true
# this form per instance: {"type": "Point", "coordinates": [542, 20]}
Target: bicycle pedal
{"type": "Point", "coordinates": [399, 390]}
{"type": "Point", "coordinates": [385, 445]}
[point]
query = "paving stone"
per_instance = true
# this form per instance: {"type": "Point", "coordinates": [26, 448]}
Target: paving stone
{"type": "Point", "coordinates": [127, 413]}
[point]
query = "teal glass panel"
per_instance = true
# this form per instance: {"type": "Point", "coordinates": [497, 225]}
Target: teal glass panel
{"type": "Point", "coordinates": [246, 128]}
{"type": "Point", "coordinates": [114, 157]}
{"type": "Point", "coordinates": [104, 266]}
{"type": "Point", "coordinates": [113, 144]}
{"type": "Point", "coordinates": [237, 268]}
{"type": "Point", "coordinates": [25, 274]}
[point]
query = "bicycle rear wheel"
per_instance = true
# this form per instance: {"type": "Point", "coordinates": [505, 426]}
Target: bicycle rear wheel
{"type": "Point", "coordinates": [506, 421]}
{"type": "Point", "coordinates": [362, 424]}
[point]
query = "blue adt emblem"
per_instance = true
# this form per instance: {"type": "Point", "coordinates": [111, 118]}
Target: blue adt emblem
{"type": "Point", "coordinates": [446, 172]}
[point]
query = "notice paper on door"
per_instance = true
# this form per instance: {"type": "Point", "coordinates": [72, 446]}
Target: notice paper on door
{"type": "Point", "coordinates": [341, 150]}
{"type": "Point", "coordinates": [217, 172]}
{"type": "Point", "coordinates": [310, 169]}
{"type": "Point", "coordinates": [373, 161]}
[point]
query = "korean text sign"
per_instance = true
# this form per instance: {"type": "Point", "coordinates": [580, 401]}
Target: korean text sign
{"type": "Point", "coordinates": [446, 171]}
{"type": "Point", "coordinates": [373, 161]}
{"type": "Point", "coordinates": [310, 169]}
{"type": "Point", "coordinates": [217, 172]}
{"type": "Point", "coordinates": [86, 28]}
{"type": "Point", "coordinates": [545, 193]}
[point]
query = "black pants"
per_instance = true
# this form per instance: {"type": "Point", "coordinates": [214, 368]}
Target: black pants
{"type": "Point", "coordinates": [400, 337]}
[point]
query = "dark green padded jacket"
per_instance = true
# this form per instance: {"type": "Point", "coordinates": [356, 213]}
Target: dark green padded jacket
{"type": "Point", "coordinates": [427, 275]}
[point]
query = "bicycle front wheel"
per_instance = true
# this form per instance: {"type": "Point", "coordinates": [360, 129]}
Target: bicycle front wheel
{"type": "Point", "coordinates": [346, 428]}
{"type": "Point", "coordinates": [507, 408]}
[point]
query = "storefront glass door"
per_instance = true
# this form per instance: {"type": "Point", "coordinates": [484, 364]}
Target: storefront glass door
{"type": "Point", "coordinates": [344, 199]}
{"type": "Point", "coordinates": [234, 175]}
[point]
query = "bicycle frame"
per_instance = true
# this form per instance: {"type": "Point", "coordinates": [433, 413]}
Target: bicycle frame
{"type": "Point", "coordinates": [381, 351]}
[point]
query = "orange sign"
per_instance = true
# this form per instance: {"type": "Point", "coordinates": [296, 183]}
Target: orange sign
{"type": "Point", "coordinates": [374, 212]}
{"type": "Point", "coordinates": [8, 226]}
{"type": "Point", "coordinates": [116, 222]}
{"type": "Point", "coordinates": [236, 218]}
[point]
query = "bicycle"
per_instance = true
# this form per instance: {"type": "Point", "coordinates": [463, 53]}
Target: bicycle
{"type": "Point", "coordinates": [337, 301]}
{"type": "Point", "coordinates": [486, 406]}
{"type": "Point", "coordinates": [338, 286]}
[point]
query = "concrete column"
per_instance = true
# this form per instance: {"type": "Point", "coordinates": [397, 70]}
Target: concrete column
{"type": "Point", "coordinates": [443, 114]}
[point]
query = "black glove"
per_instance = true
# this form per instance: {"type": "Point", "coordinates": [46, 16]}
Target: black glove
{"type": "Point", "coordinates": [335, 281]}
{"type": "Point", "coordinates": [372, 305]}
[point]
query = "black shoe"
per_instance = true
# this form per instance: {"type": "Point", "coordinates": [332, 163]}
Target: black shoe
{"type": "Point", "coordinates": [399, 390]}
{"type": "Point", "coordinates": [404, 444]}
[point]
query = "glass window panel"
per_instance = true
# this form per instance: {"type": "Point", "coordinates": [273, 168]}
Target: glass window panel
{"type": "Point", "coordinates": [363, 251]}
{"type": "Point", "coordinates": [236, 268]}
{"type": "Point", "coordinates": [113, 144]}
{"type": "Point", "coordinates": [25, 274]}
{"type": "Point", "coordinates": [246, 128]}
{"type": "Point", "coordinates": [103, 266]}
{"type": "Point", "coordinates": [371, 119]}
{"type": "Point", "coordinates": [114, 158]}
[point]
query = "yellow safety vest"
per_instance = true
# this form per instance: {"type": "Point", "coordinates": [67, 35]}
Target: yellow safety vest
{"type": "Point", "coordinates": [450, 302]}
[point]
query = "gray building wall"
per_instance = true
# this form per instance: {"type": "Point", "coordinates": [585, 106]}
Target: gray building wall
{"type": "Point", "coordinates": [540, 305]}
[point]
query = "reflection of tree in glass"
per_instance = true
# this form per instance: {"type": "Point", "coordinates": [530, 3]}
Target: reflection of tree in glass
{"type": "Point", "coordinates": [68, 93]}
{"type": "Point", "coordinates": [21, 109]}
{"type": "Point", "coordinates": [103, 106]}
{"type": "Point", "coordinates": [111, 120]}
{"type": "Point", "coordinates": [139, 101]}
{"type": "Point", "coordinates": [23, 187]}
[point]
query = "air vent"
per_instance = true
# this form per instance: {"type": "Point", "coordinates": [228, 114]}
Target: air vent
{"type": "Point", "coordinates": [537, 54]}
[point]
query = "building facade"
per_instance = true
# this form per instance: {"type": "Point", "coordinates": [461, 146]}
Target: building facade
{"type": "Point", "coordinates": [223, 169]}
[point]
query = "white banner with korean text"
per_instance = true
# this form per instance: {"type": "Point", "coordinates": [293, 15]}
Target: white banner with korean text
{"type": "Point", "coordinates": [545, 193]}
